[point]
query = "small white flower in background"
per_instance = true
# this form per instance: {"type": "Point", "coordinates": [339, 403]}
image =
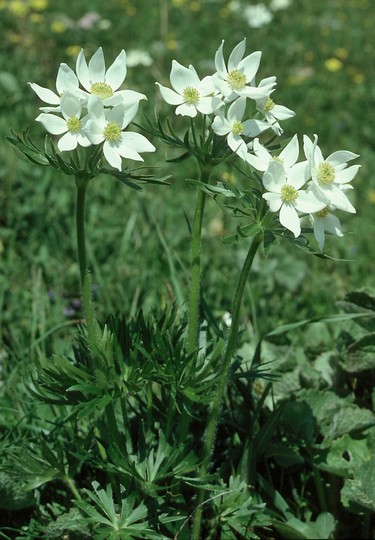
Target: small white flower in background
{"type": "Point", "coordinates": [238, 78]}
{"type": "Point", "coordinates": [191, 94]}
{"type": "Point", "coordinates": [66, 81]}
{"type": "Point", "coordinates": [235, 128]}
{"type": "Point", "coordinates": [284, 194]}
{"type": "Point", "coordinates": [136, 57]}
{"type": "Point", "coordinates": [103, 83]}
{"type": "Point", "coordinates": [107, 125]}
{"type": "Point", "coordinates": [260, 158]}
{"type": "Point", "coordinates": [273, 112]}
{"type": "Point", "coordinates": [324, 221]}
{"type": "Point", "coordinates": [257, 15]}
{"type": "Point", "coordinates": [71, 126]}
{"type": "Point", "coordinates": [276, 5]}
{"type": "Point", "coordinates": [331, 176]}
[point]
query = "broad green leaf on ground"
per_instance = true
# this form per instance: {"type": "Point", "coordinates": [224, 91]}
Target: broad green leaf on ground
{"type": "Point", "coordinates": [335, 415]}
{"type": "Point", "coordinates": [344, 455]}
{"type": "Point", "coordinates": [321, 529]}
{"type": "Point", "coordinates": [358, 493]}
{"type": "Point", "coordinates": [360, 355]}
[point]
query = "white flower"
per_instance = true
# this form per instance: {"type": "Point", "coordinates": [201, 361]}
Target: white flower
{"type": "Point", "coordinates": [324, 221]}
{"type": "Point", "coordinates": [273, 112]}
{"type": "Point", "coordinates": [331, 176]}
{"type": "Point", "coordinates": [238, 78]}
{"type": "Point", "coordinates": [103, 83]}
{"type": "Point", "coordinates": [66, 81]}
{"type": "Point", "coordinates": [107, 125]}
{"type": "Point", "coordinates": [257, 15]}
{"type": "Point", "coordinates": [235, 128]}
{"type": "Point", "coordinates": [189, 92]}
{"type": "Point", "coordinates": [71, 126]}
{"type": "Point", "coordinates": [286, 197]}
{"type": "Point", "coordinates": [275, 5]}
{"type": "Point", "coordinates": [261, 158]}
{"type": "Point", "coordinates": [137, 57]}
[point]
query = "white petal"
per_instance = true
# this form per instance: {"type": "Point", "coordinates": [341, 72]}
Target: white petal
{"type": "Point", "coordinates": [136, 141]}
{"type": "Point", "coordinates": [250, 65]}
{"type": "Point", "coordinates": [52, 123]}
{"type": "Point", "coordinates": [298, 174]}
{"type": "Point", "coordinates": [309, 202]}
{"type": "Point", "coordinates": [186, 110]}
{"type": "Point", "coordinates": [221, 126]}
{"type": "Point", "coordinates": [346, 175]}
{"type": "Point", "coordinates": [274, 201]}
{"type": "Point", "coordinates": [66, 79]}
{"type": "Point", "coordinates": [290, 153]}
{"type": "Point", "coordinates": [67, 142]}
{"type": "Point", "coordinates": [96, 109]}
{"type": "Point", "coordinates": [282, 113]}
{"type": "Point", "coordinates": [70, 106]}
{"type": "Point", "coordinates": [207, 105]}
{"type": "Point", "coordinates": [170, 96]}
{"type": "Point", "coordinates": [341, 156]}
{"type": "Point", "coordinates": [127, 97]}
{"type": "Point", "coordinates": [112, 156]}
{"type": "Point", "coordinates": [318, 228]}
{"type": "Point", "coordinates": [181, 77]}
{"type": "Point", "coordinates": [332, 224]}
{"type": "Point", "coordinates": [97, 67]}
{"type": "Point", "coordinates": [219, 61]}
{"type": "Point", "coordinates": [237, 144]}
{"type": "Point", "coordinates": [289, 219]}
{"type": "Point", "coordinates": [236, 110]}
{"type": "Point", "coordinates": [94, 131]}
{"type": "Point", "coordinates": [236, 55]}
{"type": "Point", "coordinates": [206, 86]}
{"type": "Point", "coordinates": [274, 177]}
{"type": "Point", "coordinates": [45, 94]}
{"type": "Point", "coordinates": [83, 71]}
{"type": "Point", "coordinates": [252, 127]}
{"type": "Point", "coordinates": [337, 197]}
{"type": "Point", "coordinates": [116, 73]}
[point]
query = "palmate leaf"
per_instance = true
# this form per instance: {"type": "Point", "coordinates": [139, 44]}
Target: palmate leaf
{"type": "Point", "coordinates": [236, 511]}
{"type": "Point", "coordinates": [358, 494]}
{"type": "Point", "coordinates": [110, 522]}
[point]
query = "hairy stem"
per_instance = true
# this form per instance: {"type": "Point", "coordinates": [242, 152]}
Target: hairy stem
{"type": "Point", "coordinates": [208, 442]}
{"type": "Point", "coordinates": [193, 311]}
{"type": "Point", "coordinates": [92, 325]}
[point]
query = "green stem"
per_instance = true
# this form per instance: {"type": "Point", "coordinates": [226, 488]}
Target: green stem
{"type": "Point", "coordinates": [208, 441]}
{"type": "Point", "coordinates": [92, 325]}
{"type": "Point", "coordinates": [193, 312]}
{"type": "Point", "coordinates": [70, 483]}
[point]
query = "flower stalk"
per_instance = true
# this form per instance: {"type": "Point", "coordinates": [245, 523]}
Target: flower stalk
{"type": "Point", "coordinates": [92, 325]}
{"type": "Point", "coordinates": [196, 235]}
{"type": "Point", "coordinates": [209, 437]}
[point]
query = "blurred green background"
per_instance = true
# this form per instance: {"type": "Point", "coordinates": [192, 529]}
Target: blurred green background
{"type": "Point", "coordinates": [322, 53]}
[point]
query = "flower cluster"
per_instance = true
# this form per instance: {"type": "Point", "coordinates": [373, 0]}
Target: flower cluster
{"type": "Point", "coordinates": [313, 188]}
{"type": "Point", "coordinates": [89, 109]}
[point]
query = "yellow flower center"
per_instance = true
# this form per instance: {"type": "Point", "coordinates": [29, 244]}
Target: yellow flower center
{"type": "Point", "coordinates": [325, 174]}
{"type": "Point", "coordinates": [190, 95]}
{"type": "Point", "coordinates": [237, 127]}
{"type": "Point", "coordinates": [269, 104]}
{"type": "Point", "coordinates": [74, 124]}
{"type": "Point", "coordinates": [322, 213]}
{"type": "Point", "coordinates": [112, 131]}
{"type": "Point", "coordinates": [102, 90]}
{"type": "Point", "coordinates": [236, 79]}
{"type": "Point", "coordinates": [288, 193]}
{"type": "Point", "coordinates": [278, 159]}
